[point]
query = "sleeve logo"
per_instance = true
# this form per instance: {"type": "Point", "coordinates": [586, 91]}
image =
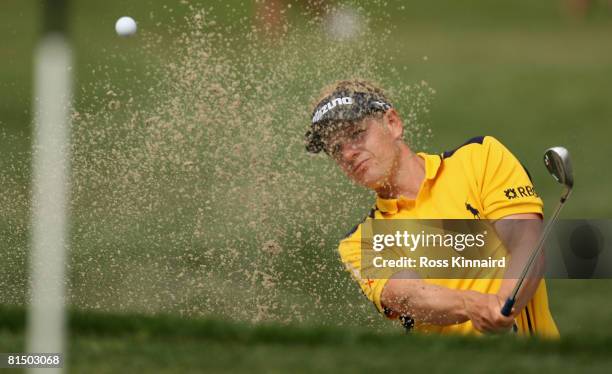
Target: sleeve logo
{"type": "Point", "coordinates": [472, 210]}
{"type": "Point", "coordinates": [518, 192]}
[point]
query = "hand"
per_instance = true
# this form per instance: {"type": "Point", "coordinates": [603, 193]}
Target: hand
{"type": "Point", "coordinates": [484, 310]}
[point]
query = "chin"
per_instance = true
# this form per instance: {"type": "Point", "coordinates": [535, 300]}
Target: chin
{"type": "Point", "coordinates": [370, 180]}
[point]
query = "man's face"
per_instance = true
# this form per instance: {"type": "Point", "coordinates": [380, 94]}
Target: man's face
{"type": "Point", "coordinates": [365, 151]}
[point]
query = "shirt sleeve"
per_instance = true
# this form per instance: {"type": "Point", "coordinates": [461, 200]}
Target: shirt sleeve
{"type": "Point", "coordinates": [350, 254]}
{"type": "Point", "coordinates": [505, 187]}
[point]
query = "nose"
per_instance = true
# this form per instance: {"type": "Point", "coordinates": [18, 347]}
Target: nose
{"type": "Point", "coordinates": [349, 151]}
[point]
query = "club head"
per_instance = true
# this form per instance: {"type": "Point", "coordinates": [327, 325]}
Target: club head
{"type": "Point", "coordinates": [557, 161]}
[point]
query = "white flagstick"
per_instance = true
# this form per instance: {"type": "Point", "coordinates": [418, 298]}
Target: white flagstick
{"type": "Point", "coordinates": [50, 168]}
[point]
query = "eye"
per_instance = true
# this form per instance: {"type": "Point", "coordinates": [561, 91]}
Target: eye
{"type": "Point", "coordinates": [336, 149]}
{"type": "Point", "coordinates": [333, 147]}
{"type": "Point", "coordinates": [357, 134]}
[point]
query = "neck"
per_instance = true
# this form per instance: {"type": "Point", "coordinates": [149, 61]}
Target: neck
{"type": "Point", "coordinates": [406, 176]}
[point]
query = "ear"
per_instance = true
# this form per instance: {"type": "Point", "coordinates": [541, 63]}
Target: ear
{"type": "Point", "coordinates": [394, 123]}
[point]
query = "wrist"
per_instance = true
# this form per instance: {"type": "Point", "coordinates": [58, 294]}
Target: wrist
{"type": "Point", "coordinates": [467, 302]}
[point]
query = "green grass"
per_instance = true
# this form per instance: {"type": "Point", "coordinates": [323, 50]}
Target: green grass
{"type": "Point", "coordinates": [104, 343]}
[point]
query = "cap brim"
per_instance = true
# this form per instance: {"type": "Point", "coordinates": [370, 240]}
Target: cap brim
{"type": "Point", "coordinates": [315, 137]}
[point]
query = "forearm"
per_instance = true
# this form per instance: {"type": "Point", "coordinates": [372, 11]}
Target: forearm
{"type": "Point", "coordinates": [521, 237]}
{"type": "Point", "coordinates": [424, 302]}
{"type": "Point", "coordinates": [431, 304]}
{"type": "Point", "coordinates": [529, 286]}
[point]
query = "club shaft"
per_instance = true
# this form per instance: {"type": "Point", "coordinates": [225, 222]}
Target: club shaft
{"type": "Point", "coordinates": [558, 164]}
{"type": "Point", "coordinates": [538, 249]}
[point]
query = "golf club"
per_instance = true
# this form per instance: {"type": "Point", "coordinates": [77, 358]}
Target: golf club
{"type": "Point", "coordinates": [557, 161]}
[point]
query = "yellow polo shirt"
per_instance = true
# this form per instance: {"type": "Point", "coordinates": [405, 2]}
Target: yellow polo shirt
{"type": "Point", "coordinates": [481, 180]}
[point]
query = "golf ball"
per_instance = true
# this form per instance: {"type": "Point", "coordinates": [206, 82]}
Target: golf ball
{"type": "Point", "coordinates": [125, 26]}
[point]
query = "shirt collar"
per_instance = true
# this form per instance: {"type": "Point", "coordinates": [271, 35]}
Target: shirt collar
{"type": "Point", "coordinates": [432, 165]}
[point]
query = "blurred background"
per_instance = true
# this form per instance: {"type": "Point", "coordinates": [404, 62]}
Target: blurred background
{"type": "Point", "coordinates": [191, 193]}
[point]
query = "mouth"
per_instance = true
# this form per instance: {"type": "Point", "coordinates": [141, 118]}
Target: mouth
{"type": "Point", "coordinates": [360, 165]}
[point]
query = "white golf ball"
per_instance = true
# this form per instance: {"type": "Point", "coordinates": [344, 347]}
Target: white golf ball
{"type": "Point", "coordinates": [125, 26]}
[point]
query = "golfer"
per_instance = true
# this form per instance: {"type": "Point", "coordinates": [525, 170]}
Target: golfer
{"type": "Point", "coordinates": [356, 125]}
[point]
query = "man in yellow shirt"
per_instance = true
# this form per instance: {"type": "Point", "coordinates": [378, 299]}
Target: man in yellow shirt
{"type": "Point", "coordinates": [356, 125]}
